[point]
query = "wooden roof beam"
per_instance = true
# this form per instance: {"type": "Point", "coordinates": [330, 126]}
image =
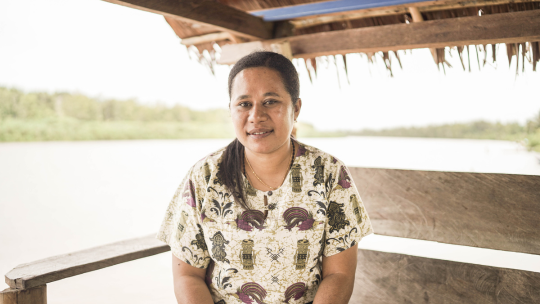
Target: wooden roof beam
{"type": "Point", "coordinates": [312, 20]}
{"type": "Point", "coordinates": [206, 12]}
{"type": "Point", "coordinates": [209, 38]}
{"type": "Point", "coordinates": [513, 27]}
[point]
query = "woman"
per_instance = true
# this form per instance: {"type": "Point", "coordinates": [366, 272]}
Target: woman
{"type": "Point", "coordinates": [266, 219]}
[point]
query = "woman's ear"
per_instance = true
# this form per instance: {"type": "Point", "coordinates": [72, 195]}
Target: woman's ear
{"type": "Point", "coordinates": [297, 108]}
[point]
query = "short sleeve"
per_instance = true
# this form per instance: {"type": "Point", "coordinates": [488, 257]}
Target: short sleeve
{"type": "Point", "coordinates": [181, 228]}
{"type": "Point", "coordinates": [347, 219]}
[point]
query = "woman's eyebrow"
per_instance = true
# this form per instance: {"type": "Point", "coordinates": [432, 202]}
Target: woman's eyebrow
{"type": "Point", "coordinates": [271, 94]}
{"type": "Point", "coordinates": [243, 97]}
{"type": "Point", "coordinates": [265, 94]}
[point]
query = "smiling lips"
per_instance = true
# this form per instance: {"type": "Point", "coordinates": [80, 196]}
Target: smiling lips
{"type": "Point", "coordinates": [260, 133]}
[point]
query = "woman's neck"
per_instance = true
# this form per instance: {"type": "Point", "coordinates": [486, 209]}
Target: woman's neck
{"type": "Point", "coordinates": [271, 168]}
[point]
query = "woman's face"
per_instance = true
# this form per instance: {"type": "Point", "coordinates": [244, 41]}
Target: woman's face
{"type": "Point", "coordinates": [262, 110]}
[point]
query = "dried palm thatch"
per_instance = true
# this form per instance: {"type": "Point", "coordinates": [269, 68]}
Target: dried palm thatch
{"type": "Point", "coordinates": [526, 53]}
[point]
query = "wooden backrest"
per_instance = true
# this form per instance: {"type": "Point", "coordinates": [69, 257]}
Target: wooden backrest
{"type": "Point", "coordinates": [383, 277]}
{"type": "Point", "coordinates": [496, 211]}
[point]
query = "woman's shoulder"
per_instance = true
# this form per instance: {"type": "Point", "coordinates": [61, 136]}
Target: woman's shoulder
{"type": "Point", "coordinates": [317, 156]}
{"type": "Point", "coordinates": [209, 163]}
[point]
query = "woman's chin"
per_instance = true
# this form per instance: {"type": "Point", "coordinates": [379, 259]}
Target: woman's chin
{"type": "Point", "coordinates": [262, 145]}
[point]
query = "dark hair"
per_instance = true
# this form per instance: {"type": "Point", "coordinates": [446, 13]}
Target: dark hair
{"type": "Point", "coordinates": [233, 157]}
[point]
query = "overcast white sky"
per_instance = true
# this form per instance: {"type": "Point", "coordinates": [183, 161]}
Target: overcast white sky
{"type": "Point", "coordinates": [105, 50]}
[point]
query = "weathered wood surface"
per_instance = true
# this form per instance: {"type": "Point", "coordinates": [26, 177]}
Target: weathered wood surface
{"type": "Point", "coordinates": [206, 12]}
{"type": "Point", "coordinates": [429, 6]}
{"type": "Point", "coordinates": [34, 295]}
{"type": "Point", "coordinates": [396, 278]}
{"type": "Point", "coordinates": [488, 29]}
{"type": "Point", "coordinates": [63, 266]}
{"type": "Point", "coordinates": [496, 211]}
{"type": "Point", "coordinates": [208, 38]}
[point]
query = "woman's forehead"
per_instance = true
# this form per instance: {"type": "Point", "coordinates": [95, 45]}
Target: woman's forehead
{"type": "Point", "coordinates": [255, 79]}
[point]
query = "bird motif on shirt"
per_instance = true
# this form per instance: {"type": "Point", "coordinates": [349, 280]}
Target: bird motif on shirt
{"type": "Point", "coordinates": [295, 291]}
{"type": "Point", "coordinates": [296, 216]}
{"type": "Point", "coordinates": [250, 292]}
{"type": "Point", "coordinates": [248, 220]}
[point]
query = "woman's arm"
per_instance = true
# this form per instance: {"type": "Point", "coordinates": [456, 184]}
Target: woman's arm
{"type": "Point", "coordinates": [189, 285]}
{"type": "Point", "coordinates": [338, 277]}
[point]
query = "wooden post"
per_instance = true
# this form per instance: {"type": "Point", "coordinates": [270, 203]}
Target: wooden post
{"type": "Point", "coordinates": [417, 17]}
{"type": "Point", "coordinates": [283, 48]}
{"type": "Point", "coordinates": [34, 295]}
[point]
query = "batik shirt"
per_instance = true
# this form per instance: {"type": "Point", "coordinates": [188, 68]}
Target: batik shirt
{"type": "Point", "coordinates": [273, 252]}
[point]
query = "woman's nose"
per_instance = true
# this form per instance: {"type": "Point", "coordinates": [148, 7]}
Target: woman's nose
{"type": "Point", "coordinates": [257, 113]}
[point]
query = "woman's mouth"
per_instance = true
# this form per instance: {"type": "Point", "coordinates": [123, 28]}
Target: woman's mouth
{"type": "Point", "coordinates": [260, 133]}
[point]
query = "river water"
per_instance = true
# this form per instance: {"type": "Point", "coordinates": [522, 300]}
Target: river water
{"type": "Point", "coordinates": [60, 197]}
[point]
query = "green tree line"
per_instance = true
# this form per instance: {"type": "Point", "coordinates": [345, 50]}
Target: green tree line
{"type": "Point", "coordinates": [39, 116]}
{"type": "Point", "coordinates": [528, 133]}
{"type": "Point", "coordinates": [15, 104]}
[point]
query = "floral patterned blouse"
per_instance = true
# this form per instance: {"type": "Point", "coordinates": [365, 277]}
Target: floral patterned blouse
{"type": "Point", "coordinates": [272, 253]}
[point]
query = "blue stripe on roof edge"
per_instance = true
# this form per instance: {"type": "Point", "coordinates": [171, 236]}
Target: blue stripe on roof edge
{"type": "Point", "coordinates": [319, 8]}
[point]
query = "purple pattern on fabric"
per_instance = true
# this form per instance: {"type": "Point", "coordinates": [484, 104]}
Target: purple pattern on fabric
{"type": "Point", "coordinates": [189, 194]}
{"type": "Point", "coordinates": [243, 225]}
{"type": "Point", "coordinates": [244, 298]}
{"type": "Point", "coordinates": [250, 292]}
{"type": "Point", "coordinates": [296, 290]}
{"type": "Point", "coordinates": [250, 219]}
{"type": "Point", "coordinates": [296, 216]}
{"type": "Point", "coordinates": [301, 151]}
{"type": "Point", "coordinates": [307, 224]}
{"type": "Point", "coordinates": [344, 179]}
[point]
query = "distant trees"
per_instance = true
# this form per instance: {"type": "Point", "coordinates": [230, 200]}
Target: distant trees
{"type": "Point", "coordinates": [529, 133]}
{"type": "Point", "coordinates": [67, 116]}
{"type": "Point", "coordinates": [16, 104]}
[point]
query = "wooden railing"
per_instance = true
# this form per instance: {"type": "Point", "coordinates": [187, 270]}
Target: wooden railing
{"type": "Point", "coordinates": [496, 211]}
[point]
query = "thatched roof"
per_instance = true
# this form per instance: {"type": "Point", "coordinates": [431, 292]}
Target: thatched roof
{"type": "Point", "coordinates": [310, 28]}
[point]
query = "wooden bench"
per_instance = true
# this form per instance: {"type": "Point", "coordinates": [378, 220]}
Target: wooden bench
{"type": "Point", "coordinates": [496, 211]}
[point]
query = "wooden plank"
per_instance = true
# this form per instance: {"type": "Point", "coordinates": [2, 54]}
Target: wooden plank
{"type": "Point", "coordinates": [496, 211]}
{"type": "Point", "coordinates": [396, 278]}
{"type": "Point", "coordinates": [187, 29]}
{"type": "Point", "coordinates": [208, 38]}
{"type": "Point", "coordinates": [34, 295]}
{"type": "Point", "coordinates": [488, 29]}
{"type": "Point", "coordinates": [206, 12]}
{"type": "Point", "coordinates": [430, 6]}
{"type": "Point", "coordinates": [64, 266]}
{"type": "Point", "coordinates": [8, 296]}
